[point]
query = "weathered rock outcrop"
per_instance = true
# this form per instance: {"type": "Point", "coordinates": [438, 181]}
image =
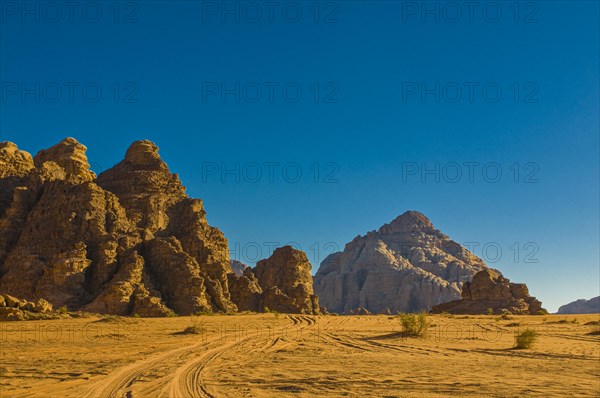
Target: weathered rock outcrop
{"type": "Point", "coordinates": [14, 309]}
{"type": "Point", "coordinates": [281, 283]}
{"type": "Point", "coordinates": [582, 306]}
{"type": "Point", "coordinates": [490, 290]}
{"type": "Point", "coordinates": [129, 241]}
{"type": "Point", "coordinates": [405, 266]}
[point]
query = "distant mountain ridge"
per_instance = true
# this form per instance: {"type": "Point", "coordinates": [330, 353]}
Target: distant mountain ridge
{"type": "Point", "coordinates": [581, 306]}
{"type": "Point", "coordinates": [406, 265]}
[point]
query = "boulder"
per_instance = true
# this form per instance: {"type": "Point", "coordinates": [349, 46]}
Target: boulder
{"type": "Point", "coordinates": [10, 301]}
{"type": "Point", "coordinates": [43, 306]}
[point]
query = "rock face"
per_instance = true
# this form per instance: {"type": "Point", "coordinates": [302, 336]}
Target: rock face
{"type": "Point", "coordinates": [128, 241]}
{"type": "Point", "coordinates": [281, 283]}
{"type": "Point", "coordinates": [490, 290]}
{"type": "Point", "coordinates": [582, 306]}
{"type": "Point", "coordinates": [238, 267]}
{"type": "Point", "coordinates": [405, 266]}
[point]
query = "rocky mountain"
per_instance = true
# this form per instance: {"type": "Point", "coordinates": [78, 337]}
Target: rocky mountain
{"type": "Point", "coordinates": [490, 290]}
{"type": "Point", "coordinates": [129, 241]}
{"type": "Point", "coordinates": [405, 266]}
{"type": "Point", "coordinates": [582, 306]}
{"type": "Point", "coordinates": [238, 267]}
{"type": "Point", "coordinates": [281, 283]}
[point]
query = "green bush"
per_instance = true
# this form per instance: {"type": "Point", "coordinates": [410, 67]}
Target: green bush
{"type": "Point", "coordinates": [526, 339]}
{"type": "Point", "coordinates": [63, 309]}
{"type": "Point", "coordinates": [489, 311]}
{"type": "Point", "coordinates": [414, 324]}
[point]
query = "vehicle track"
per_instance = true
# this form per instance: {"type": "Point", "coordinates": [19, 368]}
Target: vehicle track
{"type": "Point", "coordinates": [116, 382]}
{"type": "Point", "coordinates": [187, 380]}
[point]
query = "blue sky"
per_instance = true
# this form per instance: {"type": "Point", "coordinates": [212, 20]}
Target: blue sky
{"type": "Point", "coordinates": [318, 122]}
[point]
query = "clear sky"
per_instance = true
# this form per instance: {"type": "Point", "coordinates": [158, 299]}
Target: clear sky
{"type": "Point", "coordinates": [311, 123]}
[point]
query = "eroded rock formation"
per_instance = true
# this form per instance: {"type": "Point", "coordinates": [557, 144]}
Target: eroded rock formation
{"type": "Point", "coordinates": [405, 266]}
{"type": "Point", "coordinates": [128, 241]}
{"type": "Point", "coordinates": [490, 291]}
{"type": "Point", "coordinates": [281, 283]}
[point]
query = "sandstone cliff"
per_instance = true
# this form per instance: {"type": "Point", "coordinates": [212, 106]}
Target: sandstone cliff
{"type": "Point", "coordinates": [128, 241]}
{"type": "Point", "coordinates": [281, 283]}
{"type": "Point", "coordinates": [490, 290]}
{"type": "Point", "coordinates": [582, 306]}
{"type": "Point", "coordinates": [405, 266]}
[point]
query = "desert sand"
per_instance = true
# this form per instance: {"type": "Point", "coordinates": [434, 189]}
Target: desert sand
{"type": "Point", "coordinates": [277, 355]}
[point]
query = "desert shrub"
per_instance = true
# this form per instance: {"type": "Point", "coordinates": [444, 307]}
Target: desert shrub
{"type": "Point", "coordinates": [414, 324]}
{"type": "Point", "coordinates": [526, 339]}
{"type": "Point", "coordinates": [63, 309]}
{"type": "Point", "coordinates": [594, 333]}
{"type": "Point", "coordinates": [489, 311]}
{"type": "Point", "coordinates": [194, 329]}
{"type": "Point", "coordinates": [592, 323]}
{"type": "Point", "coordinates": [542, 312]}
{"type": "Point", "coordinates": [513, 324]}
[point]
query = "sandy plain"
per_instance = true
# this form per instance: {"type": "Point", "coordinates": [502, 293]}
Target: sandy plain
{"type": "Point", "coordinates": [277, 355]}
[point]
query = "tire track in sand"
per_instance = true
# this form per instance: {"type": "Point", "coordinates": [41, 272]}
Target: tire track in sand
{"type": "Point", "coordinates": [188, 380]}
{"type": "Point", "coordinates": [116, 383]}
